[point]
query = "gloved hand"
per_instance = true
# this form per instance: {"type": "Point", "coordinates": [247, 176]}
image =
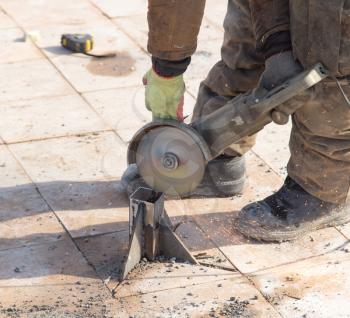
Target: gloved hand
{"type": "Point", "coordinates": [278, 69]}
{"type": "Point", "coordinates": [164, 96]}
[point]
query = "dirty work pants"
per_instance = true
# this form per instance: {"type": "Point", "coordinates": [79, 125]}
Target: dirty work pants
{"type": "Point", "coordinates": [320, 137]}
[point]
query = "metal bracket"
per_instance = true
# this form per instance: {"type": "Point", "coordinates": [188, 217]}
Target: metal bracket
{"type": "Point", "coordinates": [150, 231]}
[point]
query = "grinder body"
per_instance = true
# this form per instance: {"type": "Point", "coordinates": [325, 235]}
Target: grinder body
{"type": "Point", "coordinates": [172, 156]}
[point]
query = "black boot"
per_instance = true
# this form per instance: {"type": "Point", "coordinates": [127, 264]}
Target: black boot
{"type": "Point", "coordinates": [224, 176]}
{"type": "Point", "coordinates": [289, 214]}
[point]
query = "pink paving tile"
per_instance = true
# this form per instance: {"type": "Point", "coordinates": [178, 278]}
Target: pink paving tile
{"type": "Point", "coordinates": [11, 173]}
{"type": "Point", "coordinates": [88, 208]}
{"type": "Point", "coordinates": [31, 14]}
{"type": "Point", "coordinates": [233, 295]}
{"type": "Point", "coordinates": [48, 117]}
{"type": "Point", "coordinates": [315, 287]}
{"type": "Point", "coordinates": [106, 253]}
{"type": "Point", "coordinates": [25, 219]}
{"type": "Point", "coordinates": [92, 74]}
{"type": "Point", "coordinates": [40, 79]}
{"type": "Point", "coordinates": [72, 159]}
{"type": "Point", "coordinates": [5, 21]}
{"type": "Point", "coordinates": [117, 8]}
{"type": "Point", "coordinates": [14, 48]}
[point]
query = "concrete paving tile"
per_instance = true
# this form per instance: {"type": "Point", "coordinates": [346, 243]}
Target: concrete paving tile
{"type": "Point", "coordinates": [5, 21]}
{"type": "Point", "coordinates": [230, 297]}
{"type": "Point", "coordinates": [124, 109]}
{"type": "Point", "coordinates": [200, 245]}
{"type": "Point", "coordinates": [103, 32]}
{"type": "Point", "coordinates": [316, 287]}
{"type": "Point", "coordinates": [31, 14]}
{"type": "Point", "coordinates": [46, 264]}
{"type": "Point", "coordinates": [56, 301]}
{"type": "Point", "coordinates": [258, 256]}
{"type": "Point", "coordinates": [117, 8]}
{"type": "Point", "coordinates": [216, 11]}
{"type": "Point", "coordinates": [121, 108]}
{"type": "Point", "coordinates": [91, 157]}
{"type": "Point", "coordinates": [137, 28]}
{"type": "Point", "coordinates": [345, 230]}
{"type": "Point", "coordinates": [207, 55]}
{"type": "Point", "coordinates": [153, 277]}
{"type": "Point", "coordinates": [106, 254]}
{"type": "Point", "coordinates": [48, 117]}
{"type": "Point", "coordinates": [11, 173]}
{"type": "Point", "coordinates": [40, 79]}
{"type": "Point", "coordinates": [25, 219]}
{"type": "Point", "coordinates": [14, 48]}
{"type": "Point", "coordinates": [91, 74]}
{"type": "Point", "coordinates": [272, 146]}
{"type": "Point", "coordinates": [88, 208]}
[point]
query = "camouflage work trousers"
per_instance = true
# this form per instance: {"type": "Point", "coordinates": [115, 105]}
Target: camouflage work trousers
{"type": "Point", "coordinates": [320, 137]}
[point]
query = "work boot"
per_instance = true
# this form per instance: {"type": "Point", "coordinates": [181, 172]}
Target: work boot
{"type": "Point", "coordinates": [289, 214]}
{"type": "Point", "coordinates": [224, 176]}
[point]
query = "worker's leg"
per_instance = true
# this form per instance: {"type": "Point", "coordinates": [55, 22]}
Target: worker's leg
{"type": "Point", "coordinates": [320, 145]}
{"type": "Point", "coordinates": [315, 194]}
{"type": "Point", "coordinates": [237, 72]}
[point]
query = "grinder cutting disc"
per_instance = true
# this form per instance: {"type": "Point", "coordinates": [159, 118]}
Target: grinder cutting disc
{"type": "Point", "coordinates": [170, 159]}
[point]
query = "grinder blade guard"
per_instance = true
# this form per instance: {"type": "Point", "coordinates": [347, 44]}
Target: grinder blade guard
{"type": "Point", "coordinates": [170, 156]}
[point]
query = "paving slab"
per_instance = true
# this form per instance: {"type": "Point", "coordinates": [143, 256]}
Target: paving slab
{"type": "Point", "coordinates": [40, 79]}
{"type": "Point", "coordinates": [124, 109]}
{"type": "Point", "coordinates": [91, 74]}
{"type": "Point", "coordinates": [11, 173]}
{"type": "Point", "coordinates": [345, 230]}
{"type": "Point", "coordinates": [34, 13]}
{"type": "Point", "coordinates": [200, 245]}
{"type": "Point", "coordinates": [106, 253]}
{"type": "Point", "coordinates": [208, 53]}
{"type": "Point", "coordinates": [215, 12]}
{"type": "Point", "coordinates": [48, 117]}
{"type": "Point", "coordinates": [157, 276]}
{"type": "Point", "coordinates": [117, 8]}
{"type": "Point", "coordinates": [88, 208]}
{"type": "Point", "coordinates": [25, 219]}
{"type": "Point", "coordinates": [137, 28]}
{"type": "Point", "coordinates": [254, 256]}
{"type": "Point", "coordinates": [56, 301]}
{"type": "Point", "coordinates": [45, 264]}
{"type": "Point", "coordinates": [102, 30]}
{"type": "Point", "coordinates": [49, 280]}
{"type": "Point", "coordinates": [14, 48]}
{"type": "Point", "coordinates": [5, 21]}
{"type": "Point", "coordinates": [315, 287]}
{"type": "Point", "coordinates": [209, 293]}
{"type": "Point", "coordinates": [272, 146]}
{"type": "Point", "coordinates": [91, 157]}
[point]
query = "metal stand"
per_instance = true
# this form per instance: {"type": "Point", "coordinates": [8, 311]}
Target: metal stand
{"type": "Point", "coordinates": [151, 233]}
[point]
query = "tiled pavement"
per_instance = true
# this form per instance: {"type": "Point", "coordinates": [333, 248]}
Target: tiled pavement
{"type": "Point", "coordinates": [65, 121]}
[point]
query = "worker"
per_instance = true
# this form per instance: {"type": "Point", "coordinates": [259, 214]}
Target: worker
{"type": "Point", "coordinates": [265, 43]}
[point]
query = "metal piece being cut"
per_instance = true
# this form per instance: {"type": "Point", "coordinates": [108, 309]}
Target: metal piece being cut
{"type": "Point", "coordinates": [150, 231]}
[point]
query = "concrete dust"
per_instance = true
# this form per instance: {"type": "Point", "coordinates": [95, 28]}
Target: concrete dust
{"type": "Point", "coordinates": [120, 65]}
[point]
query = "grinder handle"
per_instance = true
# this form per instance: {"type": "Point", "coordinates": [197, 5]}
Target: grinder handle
{"type": "Point", "coordinates": [247, 114]}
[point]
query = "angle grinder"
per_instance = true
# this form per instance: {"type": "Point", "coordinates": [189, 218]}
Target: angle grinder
{"type": "Point", "coordinates": [172, 156]}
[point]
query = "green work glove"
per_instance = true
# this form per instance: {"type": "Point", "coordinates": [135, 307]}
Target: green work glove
{"type": "Point", "coordinates": [164, 96]}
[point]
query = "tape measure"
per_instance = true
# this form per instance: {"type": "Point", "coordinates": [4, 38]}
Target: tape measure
{"type": "Point", "coordinates": [81, 43]}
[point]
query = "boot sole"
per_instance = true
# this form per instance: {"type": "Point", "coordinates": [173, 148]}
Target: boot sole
{"type": "Point", "coordinates": [290, 234]}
